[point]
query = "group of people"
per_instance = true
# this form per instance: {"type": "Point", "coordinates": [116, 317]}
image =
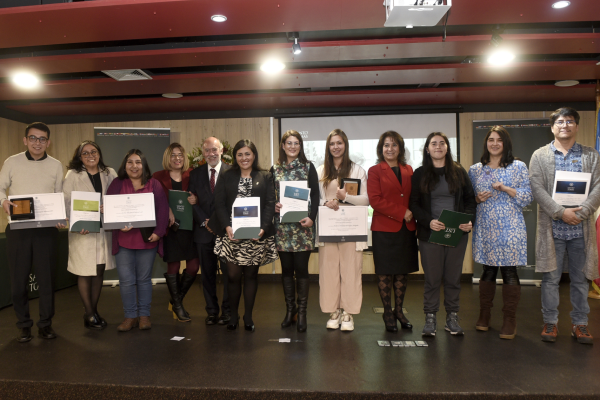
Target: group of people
{"type": "Point", "coordinates": [406, 206]}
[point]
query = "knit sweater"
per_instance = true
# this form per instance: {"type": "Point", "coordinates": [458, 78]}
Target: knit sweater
{"type": "Point", "coordinates": [24, 176]}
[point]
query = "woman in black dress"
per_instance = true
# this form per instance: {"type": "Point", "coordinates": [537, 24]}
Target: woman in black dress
{"type": "Point", "coordinates": [395, 251]}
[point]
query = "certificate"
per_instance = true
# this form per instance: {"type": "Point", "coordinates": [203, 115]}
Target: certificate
{"type": "Point", "coordinates": [294, 198]}
{"type": "Point", "coordinates": [85, 212]}
{"type": "Point", "coordinates": [571, 188]}
{"type": "Point", "coordinates": [49, 211]}
{"type": "Point", "coordinates": [245, 218]}
{"type": "Point", "coordinates": [131, 210]}
{"type": "Point", "coordinates": [348, 224]}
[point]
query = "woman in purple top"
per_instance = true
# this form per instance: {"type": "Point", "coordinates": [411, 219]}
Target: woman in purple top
{"type": "Point", "coordinates": [134, 248]}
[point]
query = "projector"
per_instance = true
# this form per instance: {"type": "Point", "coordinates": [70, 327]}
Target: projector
{"type": "Point", "coordinates": [410, 13]}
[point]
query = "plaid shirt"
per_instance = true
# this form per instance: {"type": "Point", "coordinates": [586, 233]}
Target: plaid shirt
{"type": "Point", "coordinates": [571, 163]}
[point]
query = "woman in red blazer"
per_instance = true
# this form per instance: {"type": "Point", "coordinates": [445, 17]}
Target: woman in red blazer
{"type": "Point", "coordinates": [395, 251]}
{"type": "Point", "coordinates": [178, 244]}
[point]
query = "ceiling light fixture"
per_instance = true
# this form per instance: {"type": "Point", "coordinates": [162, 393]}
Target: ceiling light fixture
{"type": "Point", "coordinates": [561, 4]}
{"type": "Point", "coordinates": [272, 66]}
{"type": "Point", "coordinates": [296, 49]}
{"type": "Point", "coordinates": [219, 18]}
{"type": "Point", "coordinates": [501, 57]}
{"type": "Point", "coordinates": [25, 80]}
{"type": "Point", "coordinates": [566, 83]}
{"type": "Point", "coordinates": [172, 95]}
{"type": "Point", "coordinates": [409, 26]}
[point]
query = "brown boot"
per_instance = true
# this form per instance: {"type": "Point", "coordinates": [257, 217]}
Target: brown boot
{"type": "Point", "coordinates": [511, 295]}
{"type": "Point", "coordinates": [145, 323]}
{"type": "Point", "coordinates": [128, 324]}
{"type": "Point", "coordinates": [487, 291]}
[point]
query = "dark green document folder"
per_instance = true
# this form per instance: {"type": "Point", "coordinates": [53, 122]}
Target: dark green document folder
{"type": "Point", "coordinates": [182, 209]}
{"type": "Point", "coordinates": [452, 234]}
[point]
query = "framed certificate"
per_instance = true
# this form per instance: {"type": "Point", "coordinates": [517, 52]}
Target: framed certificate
{"type": "Point", "coordinates": [48, 209]}
{"type": "Point", "coordinates": [131, 210]}
{"type": "Point", "coordinates": [245, 218]}
{"type": "Point", "coordinates": [352, 186]}
{"type": "Point", "coordinates": [571, 188]}
{"type": "Point", "coordinates": [347, 224]}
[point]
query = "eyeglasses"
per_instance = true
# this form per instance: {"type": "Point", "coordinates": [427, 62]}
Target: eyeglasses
{"type": "Point", "coordinates": [559, 123]}
{"type": "Point", "coordinates": [92, 153]}
{"type": "Point", "coordinates": [292, 144]}
{"type": "Point", "coordinates": [173, 155]}
{"type": "Point", "coordinates": [33, 139]}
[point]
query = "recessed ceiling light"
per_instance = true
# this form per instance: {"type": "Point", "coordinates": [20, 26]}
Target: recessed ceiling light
{"type": "Point", "coordinates": [566, 83]}
{"type": "Point", "coordinates": [172, 95]}
{"type": "Point", "coordinates": [561, 4]}
{"type": "Point", "coordinates": [501, 57]}
{"type": "Point", "coordinates": [219, 18]}
{"type": "Point", "coordinates": [409, 26]}
{"type": "Point", "coordinates": [272, 66]}
{"type": "Point", "coordinates": [25, 80]}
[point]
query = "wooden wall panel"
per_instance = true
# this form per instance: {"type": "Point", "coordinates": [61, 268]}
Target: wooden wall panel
{"type": "Point", "coordinates": [11, 142]}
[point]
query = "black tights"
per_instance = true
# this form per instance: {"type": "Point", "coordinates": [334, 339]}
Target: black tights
{"type": "Point", "coordinates": [509, 275]}
{"type": "Point", "coordinates": [234, 273]}
{"type": "Point", "coordinates": [294, 262]}
{"type": "Point", "coordinates": [90, 288]}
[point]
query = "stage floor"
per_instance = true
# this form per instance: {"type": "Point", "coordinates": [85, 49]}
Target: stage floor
{"type": "Point", "coordinates": [211, 362]}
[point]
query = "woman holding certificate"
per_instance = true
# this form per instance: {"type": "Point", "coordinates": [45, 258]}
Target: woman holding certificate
{"type": "Point", "coordinates": [395, 251]}
{"type": "Point", "coordinates": [340, 263]}
{"type": "Point", "coordinates": [245, 183]}
{"type": "Point", "coordinates": [178, 243]}
{"type": "Point", "coordinates": [441, 184]}
{"type": "Point", "coordinates": [90, 253]}
{"type": "Point", "coordinates": [500, 239]}
{"type": "Point", "coordinates": [295, 240]}
{"type": "Point", "coordinates": [135, 248]}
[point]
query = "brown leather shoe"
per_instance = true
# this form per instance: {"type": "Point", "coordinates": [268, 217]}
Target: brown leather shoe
{"type": "Point", "coordinates": [145, 323]}
{"type": "Point", "coordinates": [128, 324]}
{"type": "Point", "coordinates": [549, 333]}
{"type": "Point", "coordinates": [581, 333]}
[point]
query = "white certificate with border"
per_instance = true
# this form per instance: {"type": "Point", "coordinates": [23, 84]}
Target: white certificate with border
{"type": "Point", "coordinates": [348, 224]}
{"type": "Point", "coordinates": [245, 218]}
{"type": "Point", "coordinates": [129, 210]}
{"type": "Point", "coordinates": [293, 209]}
{"type": "Point", "coordinates": [571, 188]}
{"type": "Point", "coordinates": [49, 211]}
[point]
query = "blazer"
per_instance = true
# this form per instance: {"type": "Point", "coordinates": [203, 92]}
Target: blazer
{"type": "Point", "coordinates": [82, 248]}
{"type": "Point", "coordinates": [165, 179]}
{"type": "Point", "coordinates": [420, 202]}
{"type": "Point", "coordinates": [226, 192]}
{"type": "Point", "coordinates": [205, 207]}
{"type": "Point", "coordinates": [388, 198]}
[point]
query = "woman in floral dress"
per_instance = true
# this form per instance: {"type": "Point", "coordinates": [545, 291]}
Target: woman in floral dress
{"type": "Point", "coordinates": [502, 188]}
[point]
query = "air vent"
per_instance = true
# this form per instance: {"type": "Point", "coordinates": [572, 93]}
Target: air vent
{"type": "Point", "coordinates": [128, 75]}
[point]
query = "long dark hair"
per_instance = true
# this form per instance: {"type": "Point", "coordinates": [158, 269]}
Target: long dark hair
{"type": "Point", "coordinates": [507, 155]}
{"type": "Point", "coordinates": [146, 175]}
{"type": "Point", "coordinates": [76, 162]}
{"type": "Point", "coordinates": [240, 145]}
{"type": "Point", "coordinates": [395, 136]}
{"type": "Point", "coordinates": [329, 171]}
{"type": "Point", "coordinates": [454, 177]}
{"type": "Point", "coordinates": [283, 156]}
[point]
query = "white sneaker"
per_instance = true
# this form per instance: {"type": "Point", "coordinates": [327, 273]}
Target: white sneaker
{"type": "Point", "coordinates": [335, 319]}
{"type": "Point", "coordinates": [347, 322]}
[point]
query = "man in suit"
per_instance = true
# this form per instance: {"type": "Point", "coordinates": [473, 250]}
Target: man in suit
{"type": "Point", "coordinates": [202, 183]}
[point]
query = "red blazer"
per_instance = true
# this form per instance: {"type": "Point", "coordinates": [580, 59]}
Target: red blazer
{"type": "Point", "coordinates": [165, 179]}
{"type": "Point", "coordinates": [388, 199]}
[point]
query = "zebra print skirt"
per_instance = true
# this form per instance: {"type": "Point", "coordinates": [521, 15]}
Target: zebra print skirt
{"type": "Point", "coordinates": [247, 252]}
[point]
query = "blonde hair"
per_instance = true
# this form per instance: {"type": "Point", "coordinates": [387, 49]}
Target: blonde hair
{"type": "Point", "coordinates": [167, 157]}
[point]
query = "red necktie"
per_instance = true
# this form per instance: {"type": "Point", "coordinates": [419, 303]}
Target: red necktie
{"type": "Point", "coordinates": [212, 180]}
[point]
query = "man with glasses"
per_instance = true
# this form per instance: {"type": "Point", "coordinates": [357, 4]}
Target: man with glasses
{"type": "Point", "coordinates": [563, 229]}
{"type": "Point", "coordinates": [32, 172]}
{"type": "Point", "coordinates": [202, 183]}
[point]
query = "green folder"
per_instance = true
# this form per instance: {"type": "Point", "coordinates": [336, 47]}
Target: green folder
{"type": "Point", "coordinates": [452, 234]}
{"type": "Point", "coordinates": [182, 209]}
{"type": "Point", "coordinates": [90, 226]}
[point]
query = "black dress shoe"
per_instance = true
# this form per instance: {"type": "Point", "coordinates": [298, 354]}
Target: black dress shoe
{"type": "Point", "coordinates": [391, 328]}
{"type": "Point", "coordinates": [211, 319]}
{"type": "Point", "coordinates": [24, 335]}
{"type": "Point", "coordinates": [248, 327]}
{"type": "Point", "coordinates": [404, 323]}
{"type": "Point", "coordinates": [92, 322]}
{"type": "Point", "coordinates": [224, 319]}
{"type": "Point", "coordinates": [47, 332]}
{"type": "Point", "coordinates": [102, 320]}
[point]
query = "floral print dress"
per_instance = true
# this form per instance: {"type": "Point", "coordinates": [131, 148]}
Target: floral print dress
{"type": "Point", "coordinates": [499, 234]}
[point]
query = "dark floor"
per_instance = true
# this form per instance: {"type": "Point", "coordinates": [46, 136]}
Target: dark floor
{"type": "Point", "coordinates": [213, 363]}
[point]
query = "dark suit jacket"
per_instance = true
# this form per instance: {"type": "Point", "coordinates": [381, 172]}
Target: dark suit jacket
{"type": "Point", "coordinates": [388, 198]}
{"type": "Point", "coordinates": [204, 208]}
{"type": "Point", "coordinates": [226, 193]}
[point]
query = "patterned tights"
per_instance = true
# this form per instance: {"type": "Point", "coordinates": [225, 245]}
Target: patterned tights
{"type": "Point", "coordinates": [397, 283]}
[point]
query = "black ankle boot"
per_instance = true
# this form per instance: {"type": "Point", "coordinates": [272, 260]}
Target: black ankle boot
{"type": "Point", "coordinates": [178, 309]}
{"type": "Point", "coordinates": [290, 301]}
{"type": "Point", "coordinates": [303, 285]}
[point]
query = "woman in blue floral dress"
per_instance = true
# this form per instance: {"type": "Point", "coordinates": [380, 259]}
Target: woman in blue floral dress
{"type": "Point", "coordinates": [295, 241]}
{"type": "Point", "coordinates": [502, 188]}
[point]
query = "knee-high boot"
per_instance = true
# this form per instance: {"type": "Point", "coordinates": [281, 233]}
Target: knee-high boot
{"type": "Point", "coordinates": [185, 283]}
{"type": "Point", "coordinates": [487, 291]}
{"type": "Point", "coordinates": [289, 291]}
{"type": "Point", "coordinates": [302, 284]}
{"type": "Point", "coordinates": [511, 294]}
{"type": "Point", "coordinates": [178, 310]}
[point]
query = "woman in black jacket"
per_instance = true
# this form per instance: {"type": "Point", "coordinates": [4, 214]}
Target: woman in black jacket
{"type": "Point", "coordinates": [440, 184]}
{"type": "Point", "coordinates": [245, 256]}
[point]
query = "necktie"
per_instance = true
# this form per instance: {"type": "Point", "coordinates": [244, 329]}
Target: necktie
{"type": "Point", "coordinates": [212, 180]}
